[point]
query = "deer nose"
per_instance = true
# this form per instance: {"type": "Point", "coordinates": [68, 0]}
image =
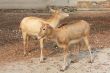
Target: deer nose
{"type": "Point", "coordinates": [38, 37]}
{"type": "Point", "coordinates": [67, 15]}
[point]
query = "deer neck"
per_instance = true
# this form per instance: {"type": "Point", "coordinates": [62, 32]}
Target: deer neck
{"type": "Point", "coordinates": [54, 21]}
{"type": "Point", "coordinates": [52, 34]}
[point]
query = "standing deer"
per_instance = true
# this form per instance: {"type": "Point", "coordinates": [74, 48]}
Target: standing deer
{"type": "Point", "coordinates": [67, 35]}
{"type": "Point", "coordinates": [30, 26]}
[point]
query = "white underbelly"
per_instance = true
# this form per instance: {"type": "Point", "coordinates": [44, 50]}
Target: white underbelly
{"type": "Point", "coordinates": [33, 34]}
{"type": "Point", "coordinates": [75, 41]}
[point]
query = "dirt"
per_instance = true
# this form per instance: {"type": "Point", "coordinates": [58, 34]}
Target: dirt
{"type": "Point", "coordinates": [101, 64]}
{"type": "Point", "coordinates": [11, 47]}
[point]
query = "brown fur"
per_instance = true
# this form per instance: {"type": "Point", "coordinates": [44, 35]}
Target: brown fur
{"type": "Point", "coordinates": [30, 26]}
{"type": "Point", "coordinates": [66, 35]}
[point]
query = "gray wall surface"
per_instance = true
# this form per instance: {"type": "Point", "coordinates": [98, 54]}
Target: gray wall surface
{"type": "Point", "coordinates": [35, 4]}
{"type": "Point", "coordinates": [63, 2]}
{"type": "Point", "coordinates": [22, 4]}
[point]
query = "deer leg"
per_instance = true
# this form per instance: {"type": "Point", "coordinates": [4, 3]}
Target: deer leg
{"type": "Point", "coordinates": [24, 42]}
{"type": "Point", "coordinates": [41, 46]}
{"type": "Point", "coordinates": [67, 59]}
{"type": "Point", "coordinates": [83, 46]}
{"type": "Point", "coordinates": [27, 44]}
{"type": "Point", "coordinates": [76, 50]}
{"type": "Point", "coordinates": [88, 46]}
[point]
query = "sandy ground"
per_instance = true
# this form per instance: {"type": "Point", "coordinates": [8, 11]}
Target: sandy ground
{"type": "Point", "coordinates": [11, 47]}
{"type": "Point", "coordinates": [101, 64]}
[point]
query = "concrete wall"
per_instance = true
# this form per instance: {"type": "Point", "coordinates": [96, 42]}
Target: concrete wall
{"type": "Point", "coordinates": [63, 2]}
{"type": "Point", "coordinates": [92, 0]}
{"type": "Point", "coordinates": [36, 4]}
{"type": "Point", "coordinates": [22, 4]}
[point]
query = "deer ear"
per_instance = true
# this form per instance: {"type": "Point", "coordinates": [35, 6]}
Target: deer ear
{"type": "Point", "coordinates": [43, 22]}
{"type": "Point", "coordinates": [60, 10]}
{"type": "Point", "coordinates": [52, 10]}
{"type": "Point", "coordinates": [48, 26]}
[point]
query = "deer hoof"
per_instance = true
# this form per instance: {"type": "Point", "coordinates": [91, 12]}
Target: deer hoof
{"type": "Point", "coordinates": [90, 60]}
{"type": "Point", "coordinates": [42, 60]}
{"type": "Point", "coordinates": [63, 68]}
{"type": "Point", "coordinates": [75, 61]}
{"type": "Point", "coordinates": [25, 54]}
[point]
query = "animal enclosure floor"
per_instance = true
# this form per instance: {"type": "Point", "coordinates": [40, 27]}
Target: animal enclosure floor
{"type": "Point", "coordinates": [11, 47]}
{"type": "Point", "coordinates": [101, 64]}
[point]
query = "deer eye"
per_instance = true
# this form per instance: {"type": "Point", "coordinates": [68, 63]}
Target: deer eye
{"type": "Point", "coordinates": [43, 28]}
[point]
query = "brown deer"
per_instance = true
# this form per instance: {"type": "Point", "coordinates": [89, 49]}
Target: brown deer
{"type": "Point", "coordinates": [30, 26]}
{"type": "Point", "coordinates": [67, 35]}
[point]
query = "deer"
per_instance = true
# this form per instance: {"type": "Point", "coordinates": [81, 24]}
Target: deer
{"type": "Point", "coordinates": [66, 35]}
{"type": "Point", "coordinates": [30, 26]}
